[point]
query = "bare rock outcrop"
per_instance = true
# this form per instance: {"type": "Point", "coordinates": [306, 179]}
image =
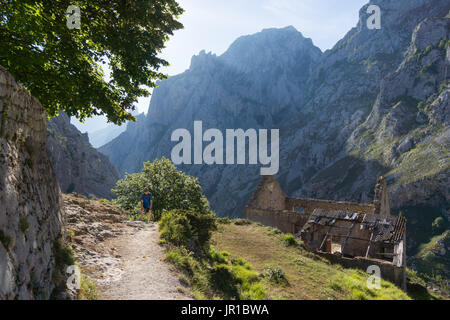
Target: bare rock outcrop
{"type": "Point", "coordinates": [79, 167]}
{"type": "Point", "coordinates": [91, 223]}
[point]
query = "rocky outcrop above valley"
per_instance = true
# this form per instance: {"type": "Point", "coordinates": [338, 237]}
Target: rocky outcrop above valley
{"type": "Point", "coordinates": [30, 208]}
{"type": "Point", "coordinates": [79, 167]}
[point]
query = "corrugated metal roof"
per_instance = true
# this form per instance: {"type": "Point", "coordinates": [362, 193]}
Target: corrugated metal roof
{"type": "Point", "coordinates": [399, 229]}
{"type": "Point", "coordinates": [327, 217]}
{"type": "Point", "coordinates": [385, 229]}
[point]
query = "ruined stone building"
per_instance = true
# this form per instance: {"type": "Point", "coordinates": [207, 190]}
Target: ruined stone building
{"type": "Point", "coordinates": [356, 235]}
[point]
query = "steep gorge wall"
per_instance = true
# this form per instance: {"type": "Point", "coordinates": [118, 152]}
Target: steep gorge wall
{"type": "Point", "coordinates": [79, 167]}
{"type": "Point", "coordinates": [30, 205]}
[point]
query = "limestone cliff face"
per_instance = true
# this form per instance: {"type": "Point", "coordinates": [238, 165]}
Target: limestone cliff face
{"type": "Point", "coordinates": [408, 129]}
{"type": "Point", "coordinates": [373, 105]}
{"type": "Point", "coordinates": [30, 207]}
{"type": "Point", "coordinates": [78, 166]}
{"type": "Point", "coordinates": [258, 83]}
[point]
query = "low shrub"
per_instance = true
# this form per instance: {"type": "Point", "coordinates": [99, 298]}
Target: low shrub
{"type": "Point", "coordinates": [242, 222]}
{"type": "Point", "coordinates": [63, 253]}
{"type": "Point", "coordinates": [203, 225]}
{"type": "Point", "coordinates": [239, 262]}
{"type": "Point", "coordinates": [275, 275]}
{"type": "Point", "coordinates": [237, 280]}
{"type": "Point", "coordinates": [289, 240]}
{"type": "Point", "coordinates": [6, 240]}
{"type": "Point", "coordinates": [88, 290]}
{"type": "Point", "coordinates": [223, 220]}
{"type": "Point", "coordinates": [179, 227]}
{"type": "Point", "coordinates": [175, 227]}
{"type": "Point", "coordinates": [272, 231]}
{"type": "Point", "coordinates": [223, 279]}
{"type": "Point", "coordinates": [219, 257]}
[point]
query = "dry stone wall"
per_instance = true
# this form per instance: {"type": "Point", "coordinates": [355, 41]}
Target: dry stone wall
{"type": "Point", "coordinates": [30, 216]}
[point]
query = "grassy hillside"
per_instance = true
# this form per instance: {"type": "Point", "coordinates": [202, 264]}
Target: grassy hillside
{"type": "Point", "coordinates": [432, 261]}
{"type": "Point", "coordinates": [289, 271]}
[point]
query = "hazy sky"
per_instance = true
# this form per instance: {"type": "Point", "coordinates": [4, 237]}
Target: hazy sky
{"type": "Point", "coordinates": [213, 25]}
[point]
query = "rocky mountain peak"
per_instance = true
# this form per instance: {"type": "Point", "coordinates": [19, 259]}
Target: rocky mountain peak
{"type": "Point", "coordinates": [252, 52]}
{"type": "Point", "coordinates": [202, 61]}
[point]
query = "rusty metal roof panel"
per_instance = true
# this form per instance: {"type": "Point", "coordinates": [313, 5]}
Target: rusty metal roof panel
{"type": "Point", "coordinates": [385, 229]}
{"type": "Point", "coordinates": [322, 214]}
{"type": "Point", "coordinates": [399, 229]}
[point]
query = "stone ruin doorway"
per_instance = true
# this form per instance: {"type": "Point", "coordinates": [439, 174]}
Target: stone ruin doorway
{"type": "Point", "coordinates": [332, 245]}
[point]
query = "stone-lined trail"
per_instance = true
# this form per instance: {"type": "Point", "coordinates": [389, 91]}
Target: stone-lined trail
{"type": "Point", "coordinates": [145, 275]}
{"type": "Point", "coordinates": [123, 258]}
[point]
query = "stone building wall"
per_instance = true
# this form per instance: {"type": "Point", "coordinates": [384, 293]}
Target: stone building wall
{"type": "Point", "coordinates": [309, 205]}
{"type": "Point", "coordinates": [285, 220]}
{"type": "Point", "coordinates": [355, 246]}
{"type": "Point", "coordinates": [381, 200]}
{"type": "Point", "coordinates": [30, 216]}
{"type": "Point", "coordinates": [268, 195]}
{"type": "Point", "coordinates": [270, 206]}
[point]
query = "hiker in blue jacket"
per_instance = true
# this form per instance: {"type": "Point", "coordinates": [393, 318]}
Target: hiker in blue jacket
{"type": "Point", "coordinates": [146, 204]}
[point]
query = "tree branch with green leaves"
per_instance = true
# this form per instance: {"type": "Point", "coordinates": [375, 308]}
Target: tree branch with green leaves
{"type": "Point", "coordinates": [64, 68]}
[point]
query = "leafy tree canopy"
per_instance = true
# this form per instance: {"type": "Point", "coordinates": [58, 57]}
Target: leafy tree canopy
{"type": "Point", "coordinates": [171, 189]}
{"type": "Point", "coordinates": [62, 67]}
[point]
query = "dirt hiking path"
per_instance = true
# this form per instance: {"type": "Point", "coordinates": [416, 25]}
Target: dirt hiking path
{"type": "Point", "coordinates": [145, 275]}
{"type": "Point", "coordinates": [122, 257]}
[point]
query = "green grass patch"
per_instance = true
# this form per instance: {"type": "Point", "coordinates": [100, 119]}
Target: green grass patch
{"type": "Point", "coordinates": [88, 290]}
{"type": "Point", "coordinates": [432, 261]}
{"type": "Point", "coordinates": [417, 288]}
{"type": "Point", "coordinates": [215, 276]}
{"type": "Point", "coordinates": [63, 253]}
{"type": "Point", "coordinates": [307, 276]}
{"type": "Point", "coordinates": [354, 284]}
